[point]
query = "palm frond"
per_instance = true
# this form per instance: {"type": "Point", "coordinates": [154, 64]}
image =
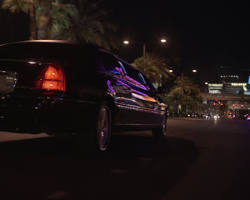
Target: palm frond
{"type": "Point", "coordinates": [154, 67]}
{"type": "Point", "coordinates": [85, 22]}
{"type": "Point", "coordinates": [17, 5]}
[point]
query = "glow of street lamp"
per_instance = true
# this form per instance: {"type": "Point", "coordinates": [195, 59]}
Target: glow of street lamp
{"type": "Point", "coordinates": [194, 70]}
{"type": "Point", "coordinates": [206, 83]}
{"type": "Point", "coordinates": [126, 42]}
{"type": "Point", "coordinates": [171, 71]}
{"type": "Point", "coordinates": [163, 40]}
{"type": "Point", "coordinates": [32, 62]}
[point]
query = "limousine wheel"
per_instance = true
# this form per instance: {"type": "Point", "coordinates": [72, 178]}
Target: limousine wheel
{"type": "Point", "coordinates": [97, 138]}
{"type": "Point", "coordinates": [160, 133]}
{"type": "Point", "coordinates": [103, 130]}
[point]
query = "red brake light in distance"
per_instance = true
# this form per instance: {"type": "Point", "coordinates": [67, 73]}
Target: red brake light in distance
{"type": "Point", "coordinates": [52, 78]}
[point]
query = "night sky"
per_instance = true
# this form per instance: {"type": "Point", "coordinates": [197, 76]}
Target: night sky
{"type": "Point", "coordinates": [204, 34]}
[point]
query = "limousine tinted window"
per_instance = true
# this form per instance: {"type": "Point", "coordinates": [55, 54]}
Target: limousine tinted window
{"type": "Point", "coordinates": [135, 74]}
{"type": "Point", "coordinates": [110, 64]}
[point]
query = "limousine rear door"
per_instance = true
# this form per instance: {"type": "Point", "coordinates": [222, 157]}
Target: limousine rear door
{"type": "Point", "coordinates": [148, 107]}
{"type": "Point", "coordinates": [118, 87]}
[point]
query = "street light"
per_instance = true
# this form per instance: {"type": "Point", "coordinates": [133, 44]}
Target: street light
{"type": "Point", "coordinates": [194, 70]}
{"type": "Point", "coordinates": [171, 71]}
{"type": "Point", "coordinates": [127, 42]}
{"type": "Point", "coordinates": [163, 40]}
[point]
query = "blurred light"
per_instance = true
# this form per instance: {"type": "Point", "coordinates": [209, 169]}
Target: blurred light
{"type": "Point", "coordinates": [238, 84]}
{"type": "Point", "coordinates": [216, 117]}
{"type": "Point", "coordinates": [215, 84]}
{"type": "Point", "coordinates": [194, 70]}
{"type": "Point", "coordinates": [206, 83]}
{"type": "Point", "coordinates": [171, 71]}
{"type": "Point", "coordinates": [125, 42]}
{"type": "Point", "coordinates": [163, 40]}
{"type": "Point", "coordinates": [32, 62]}
{"type": "Point", "coordinates": [214, 91]}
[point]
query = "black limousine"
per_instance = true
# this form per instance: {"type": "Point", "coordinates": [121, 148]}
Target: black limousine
{"type": "Point", "coordinates": [59, 87]}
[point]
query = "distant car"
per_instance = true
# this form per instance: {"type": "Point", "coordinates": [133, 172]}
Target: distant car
{"type": "Point", "coordinates": [59, 87]}
{"type": "Point", "coordinates": [216, 117]}
{"type": "Point", "coordinates": [248, 117]}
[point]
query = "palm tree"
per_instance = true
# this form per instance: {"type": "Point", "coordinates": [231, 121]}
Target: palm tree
{"type": "Point", "coordinates": [41, 13]}
{"type": "Point", "coordinates": [44, 18]}
{"type": "Point", "coordinates": [85, 21]}
{"type": "Point", "coordinates": [82, 21]}
{"type": "Point", "coordinates": [154, 67]}
{"type": "Point", "coordinates": [26, 6]}
{"type": "Point", "coordinates": [185, 96]}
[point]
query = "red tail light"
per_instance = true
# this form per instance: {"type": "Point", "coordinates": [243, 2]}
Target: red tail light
{"type": "Point", "coordinates": [52, 78]}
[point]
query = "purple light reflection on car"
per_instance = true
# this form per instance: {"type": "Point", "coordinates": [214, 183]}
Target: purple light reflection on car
{"type": "Point", "coordinates": [133, 90]}
{"type": "Point", "coordinates": [110, 87]}
{"type": "Point", "coordinates": [136, 83]}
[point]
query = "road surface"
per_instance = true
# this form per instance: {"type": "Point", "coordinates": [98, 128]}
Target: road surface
{"type": "Point", "coordinates": [202, 159]}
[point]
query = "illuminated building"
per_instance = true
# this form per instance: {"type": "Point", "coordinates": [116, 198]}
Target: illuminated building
{"type": "Point", "coordinates": [231, 81]}
{"type": "Point", "coordinates": [230, 93]}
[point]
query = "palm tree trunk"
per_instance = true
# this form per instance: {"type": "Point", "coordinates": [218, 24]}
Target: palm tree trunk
{"type": "Point", "coordinates": [33, 25]}
{"type": "Point", "coordinates": [45, 22]}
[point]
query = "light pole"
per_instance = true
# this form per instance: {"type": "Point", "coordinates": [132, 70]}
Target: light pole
{"type": "Point", "coordinates": [127, 42]}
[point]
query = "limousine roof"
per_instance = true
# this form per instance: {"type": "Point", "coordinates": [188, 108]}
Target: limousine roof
{"type": "Point", "coordinates": [44, 49]}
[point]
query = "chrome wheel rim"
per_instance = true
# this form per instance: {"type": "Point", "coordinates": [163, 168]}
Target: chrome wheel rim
{"type": "Point", "coordinates": [103, 132]}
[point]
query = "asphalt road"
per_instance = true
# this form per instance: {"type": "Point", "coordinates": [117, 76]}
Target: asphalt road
{"type": "Point", "coordinates": [201, 159]}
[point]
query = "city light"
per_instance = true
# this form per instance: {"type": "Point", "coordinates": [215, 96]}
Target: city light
{"type": "Point", "coordinates": [206, 83]}
{"type": "Point", "coordinates": [215, 84]}
{"type": "Point", "coordinates": [163, 40]}
{"type": "Point", "coordinates": [194, 70]}
{"type": "Point", "coordinates": [125, 42]}
{"type": "Point", "coordinates": [32, 62]}
{"type": "Point", "coordinates": [171, 71]}
{"type": "Point", "coordinates": [239, 84]}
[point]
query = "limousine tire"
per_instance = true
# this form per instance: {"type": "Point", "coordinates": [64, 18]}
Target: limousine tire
{"type": "Point", "coordinates": [160, 133]}
{"type": "Point", "coordinates": [97, 139]}
{"type": "Point", "coordinates": [103, 129]}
